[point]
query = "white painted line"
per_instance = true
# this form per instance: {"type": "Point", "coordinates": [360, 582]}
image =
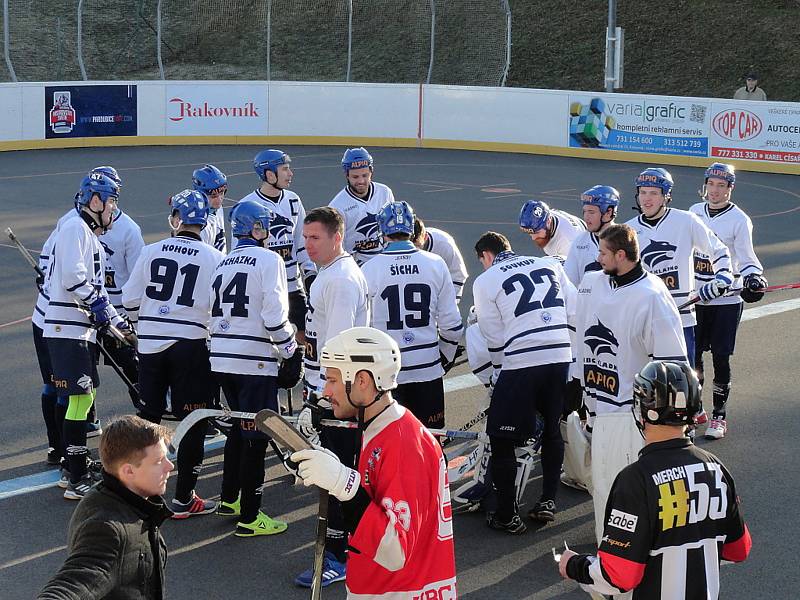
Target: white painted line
{"type": "Point", "coordinates": [460, 382]}
{"type": "Point", "coordinates": [770, 309]}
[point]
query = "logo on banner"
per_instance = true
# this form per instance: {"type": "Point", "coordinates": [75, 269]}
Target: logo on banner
{"type": "Point", "coordinates": [62, 115]}
{"type": "Point", "coordinates": [737, 125]}
{"type": "Point", "coordinates": [182, 109]}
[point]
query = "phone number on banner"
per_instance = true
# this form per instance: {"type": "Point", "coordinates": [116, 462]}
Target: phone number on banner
{"type": "Point", "coordinates": [747, 154]}
{"type": "Point", "coordinates": [643, 142]}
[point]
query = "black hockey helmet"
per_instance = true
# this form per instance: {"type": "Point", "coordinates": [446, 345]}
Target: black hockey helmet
{"type": "Point", "coordinates": [666, 393]}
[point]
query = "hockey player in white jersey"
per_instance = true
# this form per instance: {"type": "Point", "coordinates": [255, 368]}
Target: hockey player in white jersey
{"type": "Point", "coordinates": [668, 239]}
{"type": "Point", "coordinates": [551, 230]}
{"type": "Point", "coordinates": [78, 305]}
{"type": "Point", "coordinates": [625, 318]}
{"type": "Point", "coordinates": [359, 203]}
{"type": "Point", "coordinates": [600, 205]}
{"type": "Point", "coordinates": [167, 295]}
{"type": "Point", "coordinates": [412, 298]}
{"type": "Point", "coordinates": [337, 301]}
{"type": "Point", "coordinates": [441, 243]}
{"type": "Point", "coordinates": [250, 335]}
{"type": "Point", "coordinates": [213, 183]}
{"type": "Point", "coordinates": [718, 320]}
{"type": "Point", "coordinates": [524, 306]}
{"type": "Point", "coordinates": [286, 229]}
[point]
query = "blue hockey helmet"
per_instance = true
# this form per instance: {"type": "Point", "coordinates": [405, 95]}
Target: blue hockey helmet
{"type": "Point", "coordinates": [96, 183]}
{"type": "Point", "coordinates": [395, 217]}
{"type": "Point", "coordinates": [208, 178]}
{"type": "Point", "coordinates": [533, 216]}
{"type": "Point", "coordinates": [246, 214]}
{"type": "Point", "coordinates": [269, 160]}
{"type": "Point", "coordinates": [656, 177]}
{"type": "Point", "coordinates": [109, 172]}
{"type": "Point", "coordinates": [603, 197]}
{"type": "Point", "coordinates": [356, 158]}
{"type": "Point", "coordinates": [191, 207]}
{"type": "Point", "coordinates": [722, 171]}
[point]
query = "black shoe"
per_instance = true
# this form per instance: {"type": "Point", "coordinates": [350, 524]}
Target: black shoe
{"type": "Point", "coordinates": [544, 511]}
{"type": "Point", "coordinates": [515, 526]}
{"type": "Point", "coordinates": [53, 457]}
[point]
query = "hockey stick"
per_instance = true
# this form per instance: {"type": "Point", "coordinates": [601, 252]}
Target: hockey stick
{"type": "Point", "coordinates": [466, 426]}
{"type": "Point", "coordinates": [771, 288]}
{"type": "Point", "coordinates": [275, 426]}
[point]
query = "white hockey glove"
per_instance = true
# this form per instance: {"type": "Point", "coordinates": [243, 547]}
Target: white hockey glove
{"type": "Point", "coordinates": [322, 468]}
{"type": "Point", "coordinates": [714, 289]}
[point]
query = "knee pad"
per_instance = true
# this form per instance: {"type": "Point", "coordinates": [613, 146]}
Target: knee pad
{"type": "Point", "coordinates": [78, 407]}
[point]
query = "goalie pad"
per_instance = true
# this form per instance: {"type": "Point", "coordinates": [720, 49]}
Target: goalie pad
{"type": "Point", "coordinates": [577, 454]}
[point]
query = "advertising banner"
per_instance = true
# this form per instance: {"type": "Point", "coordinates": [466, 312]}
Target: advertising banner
{"type": "Point", "coordinates": [214, 109]}
{"type": "Point", "coordinates": [75, 111]}
{"type": "Point", "coordinates": [639, 124]}
{"type": "Point", "coordinates": [755, 131]}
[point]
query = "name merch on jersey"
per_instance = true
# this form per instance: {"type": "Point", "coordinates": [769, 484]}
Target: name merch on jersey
{"type": "Point", "coordinates": [659, 258]}
{"type": "Point", "coordinates": [599, 366]}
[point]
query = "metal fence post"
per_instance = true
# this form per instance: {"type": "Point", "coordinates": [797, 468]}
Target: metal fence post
{"type": "Point", "coordinates": [6, 43]}
{"type": "Point", "coordinates": [158, 40]}
{"type": "Point", "coordinates": [433, 43]}
{"type": "Point", "coordinates": [349, 37]}
{"type": "Point", "coordinates": [507, 66]}
{"type": "Point", "coordinates": [269, 31]}
{"type": "Point", "coordinates": [80, 40]}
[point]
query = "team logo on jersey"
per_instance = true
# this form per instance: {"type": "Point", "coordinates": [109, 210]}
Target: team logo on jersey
{"type": "Point", "coordinates": [657, 252]}
{"type": "Point", "coordinates": [601, 339]}
{"type": "Point", "coordinates": [702, 265]}
{"type": "Point", "coordinates": [163, 310]}
{"type": "Point", "coordinates": [368, 228]}
{"type": "Point", "coordinates": [408, 337]}
{"type": "Point", "coordinates": [546, 317]}
{"type": "Point", "coordinates": [85, 382]}
{"type": "Point", "coordinates": [280, 226]}
{"type": "Point", "coordinates": [224, 325]}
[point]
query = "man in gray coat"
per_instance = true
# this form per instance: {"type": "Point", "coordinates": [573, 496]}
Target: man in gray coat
{"type": "Point", "coordinates": [115, 548]}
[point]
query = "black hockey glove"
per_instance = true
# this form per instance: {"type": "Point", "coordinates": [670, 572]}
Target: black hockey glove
{"type": "Point", "coordinates": [39, 280]}
{"type": "Point", "coordinates": [291, 370]}
{"type": "Point", "coordinates": [752, 286]}
{"type": "Point", "coordinates": [308, 281]}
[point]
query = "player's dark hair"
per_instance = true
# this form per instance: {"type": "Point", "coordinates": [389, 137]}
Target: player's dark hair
{"type": "Point", "coordinates": [621, 237]}
{"type": "Point", "coordinates": [419, 231]}
{"type": "Point", "coordinates": [493, 242]}
{"type": "Point", "coordinates": [330, 218]}
{"type": "Point", "coordinates": [126, 440]}
{"type": "Point", "coordinates": [399, 237]}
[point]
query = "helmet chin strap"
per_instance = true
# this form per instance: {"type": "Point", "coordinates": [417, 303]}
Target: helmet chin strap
{"type": "Point", "coordinates": [348, 386]}
{"type": "Point", "coordinates": [94, 219]}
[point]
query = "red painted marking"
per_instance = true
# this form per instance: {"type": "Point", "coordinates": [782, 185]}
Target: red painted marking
{"type": "Point", "coordinates": [17, 322]}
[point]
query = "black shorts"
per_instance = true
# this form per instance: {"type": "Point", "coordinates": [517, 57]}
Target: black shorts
{"type": "Point", "coordinates": [425, 400]}
{"type": "Point", "coordinates": [74, 365]}
{"type": "Point", "coordinates": [185, 370]}
{"type": "Point", "coordinates": [520, 393]}
{"type": "Point", "coordinates": [42, 355]}
{"type": "Point", "coordinates": [249, 393]}
{"type": "Point", "coordinates": [297, 309]}
{"type": "Point", "coordinates": [716, 328]}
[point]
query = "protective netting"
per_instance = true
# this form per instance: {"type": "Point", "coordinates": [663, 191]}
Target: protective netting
{"type": "Point", "coordinates": [119, 39]}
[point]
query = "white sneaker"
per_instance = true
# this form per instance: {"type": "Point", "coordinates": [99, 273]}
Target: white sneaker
{"type": "Point", "coordinates": [573, 483]}
{"type": "Point", "coordinates": [716, 429]}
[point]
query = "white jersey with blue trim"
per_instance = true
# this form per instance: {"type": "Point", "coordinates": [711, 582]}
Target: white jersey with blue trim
{"type": "Point", "coordinates": [667, 249]}
{"type": "Point", "coordinates": [167, 292]}
{"type": "Point", "coordinates": [250, 329]}
{"type": "Point", "coordinates": [74, 280]}
{"type": "Point", "coordinates": [412, 298]}
{"type": "Point", "coordinates": [582, 257]}
{"type": "Point", "coordinates": [566, 228]}
{"type": "Point", "coordinates": [732, 225]}
{"type": "Point", "coordinates": [525, 307]}
{"type": "Point", "coordinates": [213, 233]}
{"type": "Point", "coordinates": [620, 328]}
{"type": "Point", "coordinates": [43, 297]}
{"type": "Point", "coordinates": [286, 234]}
{"type": "Point", "coordinates": [337, 301]}
{"type": "Point", "coordinates": [123, 243]}
{"type": "Point", "coordinates": [362, 237]}
{"type": "Point", "coordinates": [442, 244]}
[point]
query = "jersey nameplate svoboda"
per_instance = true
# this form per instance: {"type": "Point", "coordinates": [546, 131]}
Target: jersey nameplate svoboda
{"type": "Point", "coordinates": [362, 237]}
{"type": "Point", "coordinates": [168, 292]}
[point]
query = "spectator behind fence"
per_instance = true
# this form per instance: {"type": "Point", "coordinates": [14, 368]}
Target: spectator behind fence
{"type": "Point", "coordinates": [750, 90]}
{"type": "Point", "coordinates": [115, 549]}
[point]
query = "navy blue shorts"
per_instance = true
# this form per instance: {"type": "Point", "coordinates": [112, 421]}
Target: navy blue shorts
{"type": "Point", "coordinates": [717, 326]}
{"type": "Point", "coordinates": [74, 365]}
{"type": "Point", "coordinates": [297, 309]}
{"type": "Point", "coordinates": [689, 338]}
{"type": "Point", "coordinates": [520, 393]}
{"type": "Point", "coordinates": [42, 355]}
{"type": "Point", "coordinates": [425, 400]}
{"type": "Point", "coordinates": [249, 393]}
{"type": "Point", "coordinates": [185, 370]}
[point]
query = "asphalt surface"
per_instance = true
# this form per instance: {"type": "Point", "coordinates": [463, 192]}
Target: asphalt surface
{"type": "Point", "coordinates": [465, 193]}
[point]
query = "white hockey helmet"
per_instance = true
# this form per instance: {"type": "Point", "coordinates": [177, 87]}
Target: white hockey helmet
{"type": "Point", "coordinates": [363, 349]}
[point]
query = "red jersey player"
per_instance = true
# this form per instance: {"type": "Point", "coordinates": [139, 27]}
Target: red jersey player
{"type": "Point", "coordinates": [403, 545]}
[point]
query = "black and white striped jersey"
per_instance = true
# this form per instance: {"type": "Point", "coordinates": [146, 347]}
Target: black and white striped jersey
{"type": "Point", "coordinates": [167, 292]}
{"type": "Point", "coordinates": [250, 329]}
{"type": "Point", "coordinates": [670, 519]}
{"type": "Point", "coordinates": [412, 298]}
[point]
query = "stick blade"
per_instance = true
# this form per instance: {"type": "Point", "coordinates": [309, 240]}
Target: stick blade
{"type": "Point", "coordinates": [279, 429]}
